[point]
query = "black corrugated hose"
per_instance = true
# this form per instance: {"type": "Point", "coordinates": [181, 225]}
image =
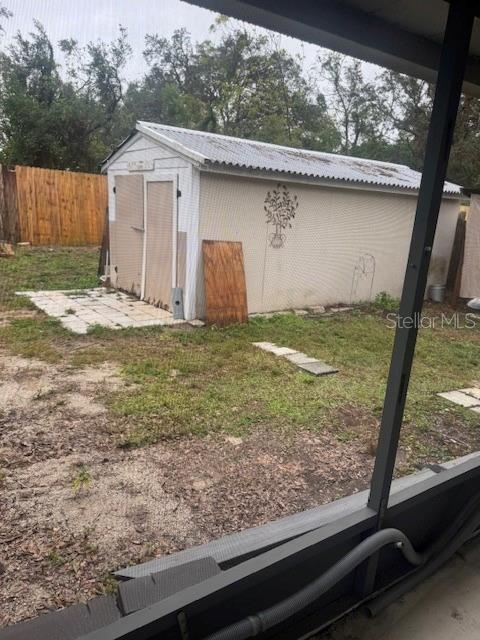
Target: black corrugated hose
{"type": "Point", "coordinates": [460, 530]}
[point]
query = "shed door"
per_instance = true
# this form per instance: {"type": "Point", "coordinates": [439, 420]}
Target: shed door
{"type": "Point", "coordinates": [158, 271]}
{"type": "Point", "coordinates": [128, 237]}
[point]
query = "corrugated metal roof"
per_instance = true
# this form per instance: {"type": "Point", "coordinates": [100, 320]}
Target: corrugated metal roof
{"type": "Point", "coordinates": [226, 151]}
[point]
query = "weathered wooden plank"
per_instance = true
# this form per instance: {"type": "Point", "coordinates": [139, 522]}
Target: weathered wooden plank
{"type": "Point", "coordinates": [60, 207]}
{"type": "Point", "coordinates": [9, 225]}
{"type": "Point", "coordinates": [224, 279]}
{"type": "Point", "coordinates": [455, 269]}
{"type": "Point", "coordinates": [104, 259]}
{"type": "Point", "coordinates": [469, 286]}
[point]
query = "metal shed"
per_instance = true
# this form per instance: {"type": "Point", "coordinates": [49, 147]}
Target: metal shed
{"type": "Point", "coordinates": [316, 228]}
{"type": "Point", "coordinates": [276, 581]}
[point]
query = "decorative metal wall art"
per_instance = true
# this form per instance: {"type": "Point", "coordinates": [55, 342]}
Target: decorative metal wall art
{"type": "Point", "coordinates": [280, 208]}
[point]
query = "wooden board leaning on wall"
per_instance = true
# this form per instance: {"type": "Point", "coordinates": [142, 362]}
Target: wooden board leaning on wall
{"type": "Point", "coordinates": [224, 280]}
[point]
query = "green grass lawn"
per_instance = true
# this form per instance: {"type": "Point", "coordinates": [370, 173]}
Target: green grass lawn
{"type": "Point", "coordinates": [205, 380]}
{"type": "Point", "coordinates": [46, 268]}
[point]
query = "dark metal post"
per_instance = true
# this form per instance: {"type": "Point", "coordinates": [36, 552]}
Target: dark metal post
{"type": "Point", "coordinates": [447, 96]}
{"type": "Point", "coordinates": [445, 106]}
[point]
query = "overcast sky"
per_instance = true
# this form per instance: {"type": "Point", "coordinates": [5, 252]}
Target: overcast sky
{"type": "Point", "coordinates": [87, 20]}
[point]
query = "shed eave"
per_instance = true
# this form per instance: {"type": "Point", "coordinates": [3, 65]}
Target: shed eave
{"type": "Point", "coordinates": [251, 171]}
{"type": "Point", "coordinates": [120, 148]}
{"type": "Point", "coordinates": [184, 151]}
{"type": "Point", "coordinates": [192, 156]}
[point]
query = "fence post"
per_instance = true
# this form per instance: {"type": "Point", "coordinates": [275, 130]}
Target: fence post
{"type": "Point", "coordinates": [9, 227]}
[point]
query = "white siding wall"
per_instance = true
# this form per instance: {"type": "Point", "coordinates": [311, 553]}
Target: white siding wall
{"type": "Point", "coordinates": [333, 228]}
{"type": "Point", "coordinates": [165, 164]}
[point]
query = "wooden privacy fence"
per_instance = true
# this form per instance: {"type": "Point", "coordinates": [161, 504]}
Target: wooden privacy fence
{"type": "Point", "coordinates": [50, 207]}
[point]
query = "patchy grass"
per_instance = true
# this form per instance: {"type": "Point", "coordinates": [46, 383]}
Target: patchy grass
{"type": "Point", "coordinates": [42, 337]}
{"type": "Point", "coordinates": [213, 380]}
{"type": "Point", "coordinates": [46, 268]}
{"type": "Point", "coordinates": [55, 559]}
{"type": "Point", "coordinates": [82, 479]}
{"type": "Point", "coordinates": [385, 302]}
{"type": "Point", "coordinates": [304, 440]}
{"type": "Point", "coordinates": [37, 269]}
{"type": "Point", "coordinates": [206, 380]}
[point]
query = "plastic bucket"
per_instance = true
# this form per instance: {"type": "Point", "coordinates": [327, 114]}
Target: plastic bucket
{"type": "Point", "coordinates": [437, 293]}
{"type": "Point", "coordinates": [474, 304]}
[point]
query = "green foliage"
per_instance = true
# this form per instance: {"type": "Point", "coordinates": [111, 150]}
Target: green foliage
{"type": "Point", "coordinates": [353, 102]}
{"type": "Point", "coordinates": [405, 103]}
{"type": "Point", "coordinates": [239, 82]}
{"type": "Point", "coordinates": [4, 14]}
{"type": "Point", "coordinates": [55, 559]}
{"type": "Point", "coordinates": [82, 479]}
{"type": "Point", "coordinates": [53, 119]}
{"type": "Point", "coordinates": [385, 302]}
{"type": "Point", "coordinates": [243, 84]}
{"type": "Point", "coordinates": [464, 165]}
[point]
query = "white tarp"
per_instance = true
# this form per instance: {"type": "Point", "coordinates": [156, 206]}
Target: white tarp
{"type": "Point", "coordinates": [471, 264]}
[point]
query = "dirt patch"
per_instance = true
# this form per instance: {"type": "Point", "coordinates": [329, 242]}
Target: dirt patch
{"type": "Point", "coordinates": [70, 520]}
{"type": "Point", "coordinates": [21, 381]}
{"type": "Point", "coordinates": [75, 506]}
{"type": "Point", "coordinates": [121, 499]}
{"type": "Point", "coordinates": [43, 409]}
{"type": "Point", "coordinates": [64, 537]}
{"type": "Point", "coordinates": [446, 438]}
{"type": "Point", "coordinates": [230, 485]}
{"type": "Point", "coordinates": [104, 374]}
{"type": "Point", "coordinates": [82, 404]}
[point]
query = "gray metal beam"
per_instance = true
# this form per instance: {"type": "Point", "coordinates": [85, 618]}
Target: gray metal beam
{"type": "Point", "coordinates": [442, 123]}
{"type": "Point", "coordinates": [335, 25]}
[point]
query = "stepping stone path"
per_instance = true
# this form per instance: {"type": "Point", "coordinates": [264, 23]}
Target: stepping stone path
{"type": "Point", "coordinates": [301, 360]}
{"type": "Point", "coordinates": [469, 398]}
